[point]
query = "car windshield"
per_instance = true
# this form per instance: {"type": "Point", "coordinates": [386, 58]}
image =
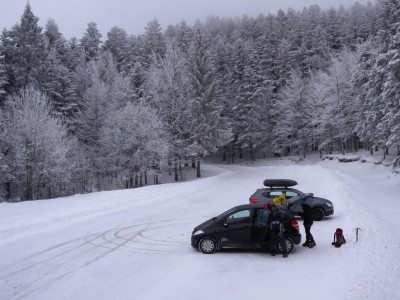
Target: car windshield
{"type": "Point", "coordinates": [226, 213]}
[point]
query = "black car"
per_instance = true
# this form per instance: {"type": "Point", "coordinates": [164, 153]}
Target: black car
{"type": "Point", "coordinates": [273, 187]}
{"type": "Point", "coordinates": [243, 226]}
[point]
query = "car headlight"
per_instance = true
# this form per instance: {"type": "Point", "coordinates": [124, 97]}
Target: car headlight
{"type": "Point", "coordinates": [198, 232]}
{"type": "Point", "coordinates": [329, 204]}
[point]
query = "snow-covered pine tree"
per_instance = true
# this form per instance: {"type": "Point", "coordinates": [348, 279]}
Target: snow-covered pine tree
{"type": "Point", "coordinates": [24, 52]}
{"type": "Point", "coordinates": [91, 41]}
{"type": "Point", "coordinates": [169, 91]}
{"type": "Point", "coordinates": [153, 41]}
{"type": "Point", "coordinates": [211, 131]}
{"type": "Point", "coordinates": [3, 79]}
{"type": "Point", "coordinates": [117, 44]}
{"type": "Point", "coordinates": [368, 82]}
{"type": "Point", "coordinates": [183, 36]}
{"type": "Point", "coordinates": [292, 131]}
{"type": "Point", "coordinates": [59, 84]}
{"type": "Point", "coordinates": [342, 96]}
{"type": "Point", "coordinates": [390, 123]}
{"type": "Point", "coordinates": [250, 113]}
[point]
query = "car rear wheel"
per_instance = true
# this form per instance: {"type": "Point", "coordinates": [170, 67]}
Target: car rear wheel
{"type": "Point", "coordinates": [318, 214]}
{"type": "Point", "coordinates": [289, 245]}
{"type": "Point", "coordinates": [207, 245]}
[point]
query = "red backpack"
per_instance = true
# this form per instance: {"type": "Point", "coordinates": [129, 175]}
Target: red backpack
{"type": "Point", "coordinates": [338, 238]}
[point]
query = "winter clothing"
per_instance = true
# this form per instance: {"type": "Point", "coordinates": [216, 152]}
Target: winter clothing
{"type": "Point", "coordinates": [280, 200]}
{"type": "Point", "coordinates": [307, 213]}
{"type": "Point", "coordinates": [275, 230]}
{"type": "Point", "coordinates": [307, 222]}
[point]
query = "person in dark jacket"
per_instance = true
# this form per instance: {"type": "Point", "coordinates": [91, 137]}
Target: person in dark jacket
{"type": "Point", "coordinates": [307, 222]}
{"type": "Point", "coordinates": [275, 229]}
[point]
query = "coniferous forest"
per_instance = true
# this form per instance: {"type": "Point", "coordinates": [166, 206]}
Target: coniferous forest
{"type": "Point", "coordinates": [108, 112]}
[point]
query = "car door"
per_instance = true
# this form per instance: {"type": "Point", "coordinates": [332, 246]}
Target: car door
{"type": "Point", "coordinates": [236, 229]}
{"type": "Point", "coordinates": [295, 207]}
{"type": "Point", "coordinates": [260, 222]}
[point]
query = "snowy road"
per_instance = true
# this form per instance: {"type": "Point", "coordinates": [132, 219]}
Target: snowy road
{"type": "Point", "coordinates": [135, 244]}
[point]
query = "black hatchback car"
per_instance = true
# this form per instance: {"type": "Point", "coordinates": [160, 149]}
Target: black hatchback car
{"type": "Point", "coordinates": [243, 227]}
{"type": "Point", "coordinates": [273, 187]}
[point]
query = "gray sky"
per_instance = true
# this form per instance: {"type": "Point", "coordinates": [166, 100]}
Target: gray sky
{"type": "Point", "coordinates": [72, 16]}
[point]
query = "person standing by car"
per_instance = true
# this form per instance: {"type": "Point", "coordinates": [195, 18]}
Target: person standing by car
{"type": "Point", "coordinates": [275, 229]}
{"type": "Point", "coordinates": [307, 222]}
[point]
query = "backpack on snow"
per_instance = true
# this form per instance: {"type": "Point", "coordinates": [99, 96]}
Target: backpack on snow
{"type": "Point", "coordinates": [338, 238]}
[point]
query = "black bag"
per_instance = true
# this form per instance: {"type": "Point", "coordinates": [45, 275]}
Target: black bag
{"type": "Point", "coordinates": [275, 226]}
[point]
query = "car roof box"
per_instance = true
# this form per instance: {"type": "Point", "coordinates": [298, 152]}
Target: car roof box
{"type": "Point", "coordinates": [279, 182]}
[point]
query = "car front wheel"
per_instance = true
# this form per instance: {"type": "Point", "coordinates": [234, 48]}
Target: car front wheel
{"type": "Point", "coordinates": [289, 245]}
{"type": "Point", "coordinates": [207, 245]}
{"type": "Point", "coordinates": [318, 214]}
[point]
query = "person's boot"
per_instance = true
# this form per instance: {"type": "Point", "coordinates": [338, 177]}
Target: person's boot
{"type": "Point", "coordinates": [306, 244]}
{"type": "Point", "coordinates": [273, 252]}
{"type": "Point", "coordinates": [311, 244]}
{"type": "Point", "coordinates": [285, 255]}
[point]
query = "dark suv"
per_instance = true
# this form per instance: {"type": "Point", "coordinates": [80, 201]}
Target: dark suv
{"type": "Point", "coordinates": [243, 226]}
{"type": "Point", "coordinates": [273, 187]}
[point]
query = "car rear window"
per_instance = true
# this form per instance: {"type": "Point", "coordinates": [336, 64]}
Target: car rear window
{"type": "Point", "coordinates": [289, 194]}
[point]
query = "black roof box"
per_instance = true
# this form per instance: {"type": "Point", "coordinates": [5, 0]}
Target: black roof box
{"type": "Point", "coordinates": [279, 182]}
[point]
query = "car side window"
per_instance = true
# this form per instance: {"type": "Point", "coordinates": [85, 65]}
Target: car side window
{"type": "Point", "coordinates": [275, 194]}
{"type": "Point", "coordinates": [262, 216]}
{"type": "Point", "coordinates": [290, 194]}
{"type": "Point", "coordinates": [238, 217]}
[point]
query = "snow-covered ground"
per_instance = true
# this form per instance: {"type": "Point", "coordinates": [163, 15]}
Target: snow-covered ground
{"type": "Point", "coordinates": [135, 244]}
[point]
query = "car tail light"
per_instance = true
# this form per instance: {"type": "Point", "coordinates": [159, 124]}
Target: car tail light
{"type": "Point", "coordinates": [295, 225]}
{"type": "Point", "coordinates": [253, 201]}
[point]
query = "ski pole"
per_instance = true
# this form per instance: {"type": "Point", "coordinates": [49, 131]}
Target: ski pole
{"type": "Point", "coordinates": [357, 229]}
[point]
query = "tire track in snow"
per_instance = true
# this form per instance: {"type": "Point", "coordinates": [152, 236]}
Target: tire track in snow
{"type": "Point", "coordinates": [117, 239]}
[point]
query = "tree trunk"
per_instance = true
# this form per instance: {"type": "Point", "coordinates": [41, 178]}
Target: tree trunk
{"type": "Point", "coordinates": [342, 146]}
{"type": "Point", "coordinates": [8, 190]}
{"type": "Point", "coordinates": [29, 183]}
{"type": "Point", "coordinates": [198, 168]}
{"type": "Point", "coordinates": [252, 156]}
{"type": "Point", "coordinates": [224, 153]}
{"type": "Point", "coordinates": [155, 179]}
{"type": "Point", "coordinates": [176, 171]}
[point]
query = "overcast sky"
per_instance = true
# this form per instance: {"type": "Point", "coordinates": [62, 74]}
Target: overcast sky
{"type": "Point", "coordinates": [72, 16]}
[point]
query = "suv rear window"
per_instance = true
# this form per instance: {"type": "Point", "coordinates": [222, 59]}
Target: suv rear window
{"type": "Point", "coordinates": [275, 193]}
